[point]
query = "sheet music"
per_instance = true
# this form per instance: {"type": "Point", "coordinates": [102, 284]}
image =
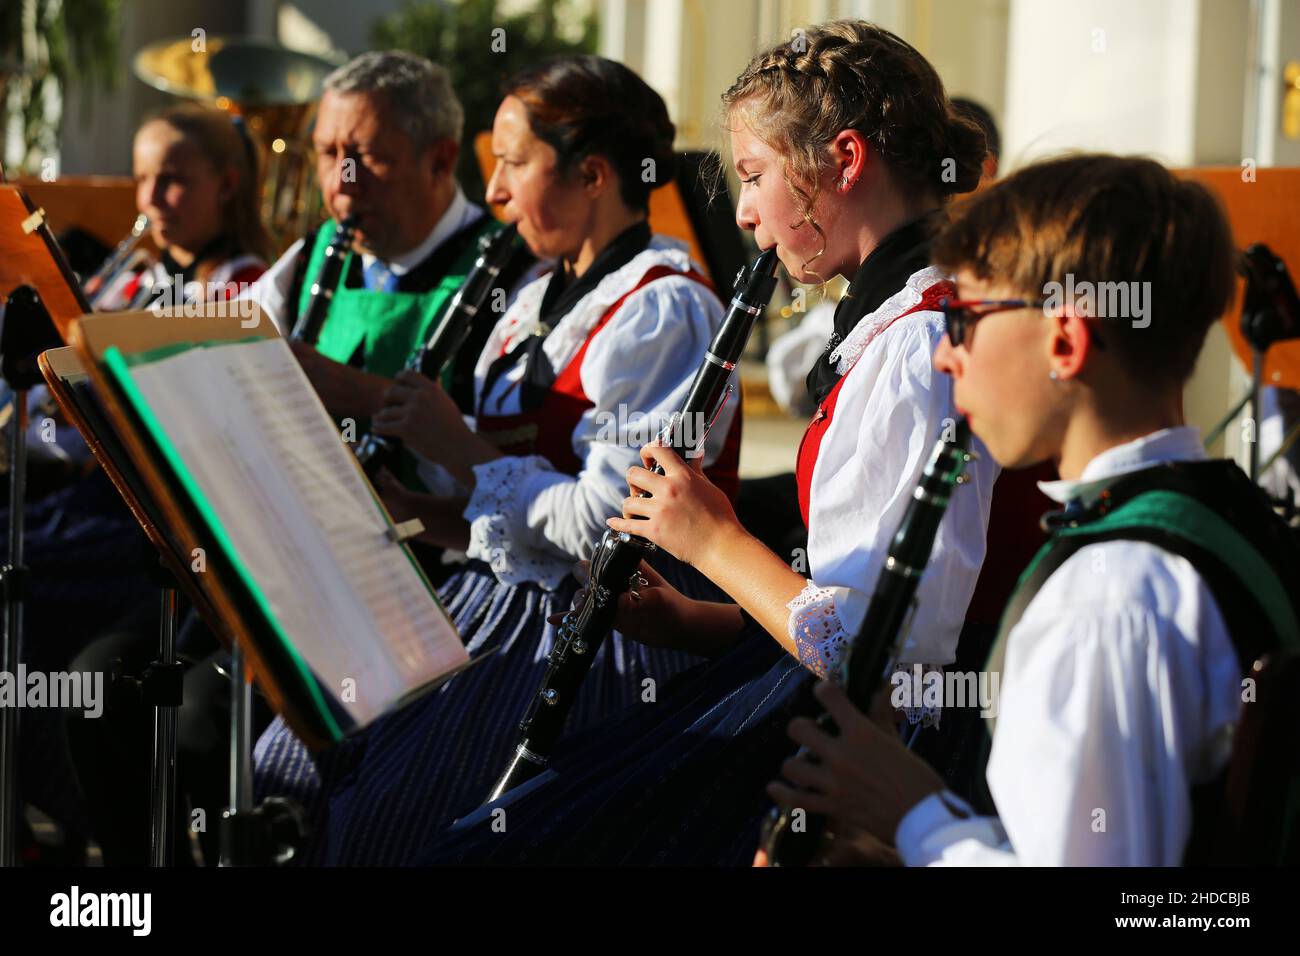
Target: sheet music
{"type": "Point", "coordinates": [302, 519]}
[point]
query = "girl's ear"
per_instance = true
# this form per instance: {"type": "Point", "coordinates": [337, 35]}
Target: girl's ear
{"type": "Point", "coordinates": [851, 157]}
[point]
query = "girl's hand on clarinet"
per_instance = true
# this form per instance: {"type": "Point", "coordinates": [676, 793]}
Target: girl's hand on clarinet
{"type": "Point", "coordinates": [654, 613]}
{"type": "Point", "coordinates": [402, 503]}
{"type": "Point", "coordinates": [649, 612]}
{"type": "Point", "coordinates": [686, 514]}
{"type": "Point", "coordinates": [864, 779]}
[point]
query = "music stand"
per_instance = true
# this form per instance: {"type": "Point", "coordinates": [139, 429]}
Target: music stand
{"type": "Point", "coordinates": [43, 298]}
{"type": "Point", "coordinates": [162, 680]}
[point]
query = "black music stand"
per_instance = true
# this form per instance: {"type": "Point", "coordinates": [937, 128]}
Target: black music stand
{"type": "Point", "coordinates": [26, 330]}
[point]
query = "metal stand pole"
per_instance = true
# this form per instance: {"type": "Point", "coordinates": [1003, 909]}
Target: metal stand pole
{"type": "Point", "coordinates": [234, 843]}
{"type": "Point", "coordinates": [11, 649]}
{"type": "Point", "coordinates": [164, 743]}
{"type": "Point", "coordinates": [1255, 382]}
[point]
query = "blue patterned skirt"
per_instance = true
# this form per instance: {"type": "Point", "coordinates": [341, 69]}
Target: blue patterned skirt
{"type": "Point", "coordinates": [378, 797]}
{"type": "Point", "coordinates": [680, 781]}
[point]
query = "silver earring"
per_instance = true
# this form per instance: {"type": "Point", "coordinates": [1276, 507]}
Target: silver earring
{"type": "Point", "coordinates": [1053, 375]}
{"type": "Point", "coordinates": [844, 183]}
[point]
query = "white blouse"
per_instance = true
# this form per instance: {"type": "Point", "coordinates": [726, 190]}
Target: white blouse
{"type": "Point", "coordinates": [892, 408]}
{"type": "Point", "coordinates": [530, 522]}
{"type": "Point", "coordinates": [1120, 690]}
{"type": "Point", "coordinates": [271, 291]}
{"type": "Point", "coordinates": [156, 277]}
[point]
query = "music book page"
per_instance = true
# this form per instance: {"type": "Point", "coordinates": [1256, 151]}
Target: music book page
{"type": "Point", "coordinates": [299, 516]}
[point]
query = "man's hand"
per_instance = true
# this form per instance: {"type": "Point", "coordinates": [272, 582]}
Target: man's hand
{"type": "Point", "coordinates": [423, 416]}
{"type": "Point", "coordinates": [345, 391]}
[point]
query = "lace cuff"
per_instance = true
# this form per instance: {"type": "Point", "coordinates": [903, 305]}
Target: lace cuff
{"type": "Point", "coordinates": [819, 637]}
{"type": "Point", "coordinates": [908, 692]}
{"type": "Point", "coordinates": [498, 524]}
{"type": "Point", "coordinates": [821, 642]}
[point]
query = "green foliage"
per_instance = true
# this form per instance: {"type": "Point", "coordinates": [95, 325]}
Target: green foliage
{"type": "Point", "coordinates": [44, 46]}
{"type": "Point", "coordinates": [459, 36]}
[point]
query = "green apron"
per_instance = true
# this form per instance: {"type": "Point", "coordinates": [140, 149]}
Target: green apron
{"type": "Point", "coordinates": [389, 327]}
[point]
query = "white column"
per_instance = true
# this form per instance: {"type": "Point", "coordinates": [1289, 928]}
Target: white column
{"type": "Point", "coordinates": [1109, 75]}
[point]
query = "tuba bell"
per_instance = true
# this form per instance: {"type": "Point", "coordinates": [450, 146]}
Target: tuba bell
{"type": "Point", "coordinates": [275, 90]}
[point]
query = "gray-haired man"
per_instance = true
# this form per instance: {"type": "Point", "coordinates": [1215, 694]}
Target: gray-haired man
{"type": "Point", "coordinates": [387, 136]}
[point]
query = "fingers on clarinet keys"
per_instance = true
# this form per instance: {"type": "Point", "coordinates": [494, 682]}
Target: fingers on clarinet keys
{"type": "Point", "coordinates": [582, 572]}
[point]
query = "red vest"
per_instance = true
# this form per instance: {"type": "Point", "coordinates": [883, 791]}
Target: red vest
{"type": "Point", "coordinates": [1014, 533]}
{"type": "Point", "coordinates": [547, 430]}
{"type": "Point", "coordinates": [811, 445]}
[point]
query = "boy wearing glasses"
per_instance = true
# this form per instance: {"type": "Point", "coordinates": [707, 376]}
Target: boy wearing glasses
{"type": "Point", "coordinates": [1124, 655]}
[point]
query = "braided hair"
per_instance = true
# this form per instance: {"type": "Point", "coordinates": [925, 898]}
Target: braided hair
{"type": "Point", "coordinates": [849, 74]}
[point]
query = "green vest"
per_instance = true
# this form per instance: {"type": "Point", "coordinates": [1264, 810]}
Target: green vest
{"type": "Point", "coordinates": [1175, 521]}
{"type": "Point", "coordinates": [389, 327]}
{"type": "Point", "coordinates": [1248, 566]}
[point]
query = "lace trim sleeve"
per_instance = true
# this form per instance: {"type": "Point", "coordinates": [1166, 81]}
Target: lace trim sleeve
{"type": "Point", "coordinates": [497, 516]}
{"type": "Point", "coordinates": [819, 637]}
{"type": "Point", "coordinates": [821, 642]}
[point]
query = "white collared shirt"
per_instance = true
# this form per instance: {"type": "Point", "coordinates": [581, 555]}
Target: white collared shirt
{"type": "Point", "coordinates": [892, 408]}
{"type": "Point", "coordinates": [1120, 689]}
{"type": "Point", "coordinates": [531, 522]}
{"type": "Point", "coordinates": [272, 290]}
{"type": "Point", "coordinates": [460, 213]}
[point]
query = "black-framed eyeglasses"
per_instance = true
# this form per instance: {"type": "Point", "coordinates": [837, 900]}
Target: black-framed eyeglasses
{"type": "Point", "coordinates": [959, 315]}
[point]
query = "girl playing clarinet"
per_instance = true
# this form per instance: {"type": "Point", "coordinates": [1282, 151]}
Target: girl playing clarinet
{"type": "Point", "coordinates": [196, 179]}
{"type": "Point", "coordinates": [1124, 656]}
{"type": "Point", "coordinates": [847, 148]}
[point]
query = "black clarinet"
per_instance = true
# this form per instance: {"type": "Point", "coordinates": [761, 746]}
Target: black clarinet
{"type": "Point", "coordinates": [312, 320]}
{"type": "Point", "coordinates": [879, 641]}
{"type": "Point", "coordinates": [619, 554]}
{"type": "Point", "coordinates": [497, 254]}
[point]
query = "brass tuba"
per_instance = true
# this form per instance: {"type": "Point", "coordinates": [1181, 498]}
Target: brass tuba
{"type": "Point", "coordinates": [275, 90]}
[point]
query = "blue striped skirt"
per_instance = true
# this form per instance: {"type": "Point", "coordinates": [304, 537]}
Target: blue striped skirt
{"type": "Point", "coordinates": [380, 796]}
{"type": "Point", "coordinates": [680, 782]}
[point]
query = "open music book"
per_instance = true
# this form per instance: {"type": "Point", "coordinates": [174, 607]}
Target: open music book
{"type": "Point", "coordinates": [344, 621]}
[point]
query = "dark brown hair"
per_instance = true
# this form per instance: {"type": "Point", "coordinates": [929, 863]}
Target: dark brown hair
{"type": "Point", "coordinates": [849, 74]}
{"type": "Point", "coordinates": [1106, 219]}
{"type": "Point", "coordinates": [588, 105]}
